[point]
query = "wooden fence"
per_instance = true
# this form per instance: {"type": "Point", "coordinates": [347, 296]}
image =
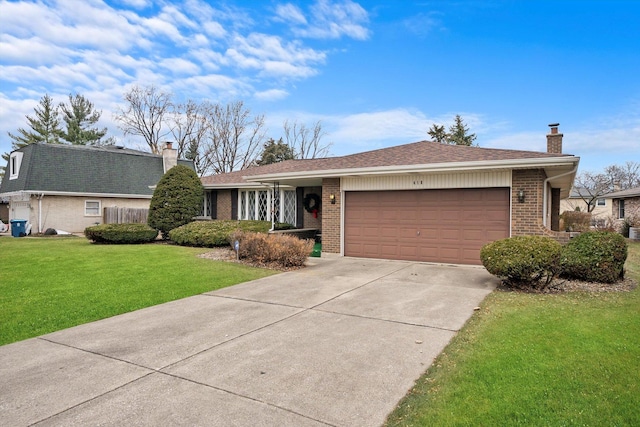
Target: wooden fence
{"type": "Point", "coordinates": [117, 215]}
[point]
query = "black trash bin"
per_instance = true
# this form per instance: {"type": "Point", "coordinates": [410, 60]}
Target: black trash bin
{"type": "Point", "coordinates": [18, 227]}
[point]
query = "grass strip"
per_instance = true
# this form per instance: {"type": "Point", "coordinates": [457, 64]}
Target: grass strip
{"type": "Point", "coordinates": [537, 359]}
{"type": "Point", "coordinates": [48, 284]}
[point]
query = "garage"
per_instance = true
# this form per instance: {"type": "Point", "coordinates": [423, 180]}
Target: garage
{"type": "Point", "coordinates": [449, 225]}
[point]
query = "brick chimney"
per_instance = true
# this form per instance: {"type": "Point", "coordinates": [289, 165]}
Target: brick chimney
{"type": "Point", "coordinates": [169, 156]}
{"type": "Point", "coordinates": [554, 140]}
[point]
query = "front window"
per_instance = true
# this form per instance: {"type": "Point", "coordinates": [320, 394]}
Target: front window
{"type": "Point", "coordinates": [256, 205]}
{"type": "Point", "coordinates": [601, 202]}
{"type": "Point", "coordinates": [621, 209]}
{"type": "Point", "coordinates": [92, 208]}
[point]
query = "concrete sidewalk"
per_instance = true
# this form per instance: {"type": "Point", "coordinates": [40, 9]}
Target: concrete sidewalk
{"type": "Point", "coordinates": [338, 343]}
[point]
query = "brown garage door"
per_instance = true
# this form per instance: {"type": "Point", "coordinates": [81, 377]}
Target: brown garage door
{"type": "Point", "coordinates": [425, 225]}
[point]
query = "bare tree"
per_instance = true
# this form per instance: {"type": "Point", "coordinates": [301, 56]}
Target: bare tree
{"type": "Point", "coordinates": [144, 114]}
{"type": "Point", "coordinates": [626, 176]}
{"type": "Point", "coordinates": [591, 187]}
{"type": "Point", "coordinates": [306, 141]}
{"type": "Point", "coordinates": [188, 125]}
{"type": "Point", "coordinates": [232, 139]}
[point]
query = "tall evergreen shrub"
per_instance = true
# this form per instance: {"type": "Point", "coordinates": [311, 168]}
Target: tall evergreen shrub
{"type": "Point", "coordinates": [176, 200]}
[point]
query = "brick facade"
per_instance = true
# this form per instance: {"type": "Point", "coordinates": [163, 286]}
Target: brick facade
{"type": "Point", "coordinates": [224, 204]}
{"type": "Point", "coordinates": [331, 215]}
{"type": "Point", "coordinates": [526, 217]}
{"type": "Point", "coordinates": [631, 208]}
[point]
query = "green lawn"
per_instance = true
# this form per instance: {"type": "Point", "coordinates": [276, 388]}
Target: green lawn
{"type": "Point", "coordinates": [48, 284]}
{"type": "Point", "coordinates": [527, 359]}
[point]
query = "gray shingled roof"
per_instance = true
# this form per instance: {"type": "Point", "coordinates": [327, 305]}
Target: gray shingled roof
{"type": "Point", "coordinates": [624, 194]}
{"type": "Point", "coordinates": [86, 170]}
{"type": "Point", "coordinates": [417, 153]}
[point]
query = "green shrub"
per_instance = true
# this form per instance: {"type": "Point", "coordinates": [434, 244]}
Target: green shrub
{"type": "Point", "coordinates": [522, 260]}
{"type": "Point", "coordinates": [121, 233]}
{"type": "Point", "coordinates": [597, 256]}
{"type": "Point", "coordinates": [213, 233]}
{"type": "Point", "coordinates": [176, 200]}
{"type": "Point", "coordinates": [284, 250]}
{"type": "Point", "coordinates": [576, 220]}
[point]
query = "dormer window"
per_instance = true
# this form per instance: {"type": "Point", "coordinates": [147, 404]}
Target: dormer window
{"type": "Point", "coordinates": [15, 160]}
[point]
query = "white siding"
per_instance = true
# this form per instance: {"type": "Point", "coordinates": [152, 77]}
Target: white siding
{"type": "Point", "coordinates": [430, 181]}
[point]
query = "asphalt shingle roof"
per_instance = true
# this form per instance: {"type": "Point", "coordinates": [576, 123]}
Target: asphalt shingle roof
{"type": "Point", "coordinates": [417, 153]}
{"type": "Point", "coordinates": [86, 169]}
{"type": "Point", "coordinates": [631, 192]}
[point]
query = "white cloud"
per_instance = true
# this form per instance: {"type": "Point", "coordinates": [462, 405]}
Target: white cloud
{"type": "Point", "coordinates": [332, 20]}
{"type": "Point", "coordinates": [271, 94]}
{"type": "Point", "coordinates": [290, 13]}
{"type": "Point", "coordinates": [180, 66]}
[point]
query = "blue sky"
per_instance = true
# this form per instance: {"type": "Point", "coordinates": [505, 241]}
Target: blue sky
{"type": "Point", "coordinates": [377, 73]}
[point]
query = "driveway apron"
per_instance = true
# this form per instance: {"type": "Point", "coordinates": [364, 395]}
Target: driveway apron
{"type": "Point", "coordinates": [338, 343]}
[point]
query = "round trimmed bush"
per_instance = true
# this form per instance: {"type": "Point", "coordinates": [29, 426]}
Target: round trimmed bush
{"type": "Point", "coordinates": [522, 260]}
{"type": "Point", "coordinates": [176, 200]}
{"type": "Point", "coordinates": [121, 233]}
{"type": "Point", "coordinates": [596, 256]}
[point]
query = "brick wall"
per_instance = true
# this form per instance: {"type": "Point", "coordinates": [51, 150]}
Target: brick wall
{"type": "Point", "coordinates": [224, 204]}
{"type": "Point", "coordinates": [526, 218]}
{"type": "Point", "coordinates": [331, 216]}
{"type": "Point", "coordinates": [631, 208]}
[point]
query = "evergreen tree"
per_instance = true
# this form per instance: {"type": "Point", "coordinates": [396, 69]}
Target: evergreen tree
{"type": "Point", "coordinates": [458, 133]}
{"type": "Point", "coordinates": [275, 152]}
{"type": "Point", "coordinates": [438, 134]}
{"type": "Point", "coordinates": [45, 126]}
{"type": "Point", "coordinates": [79, 117]}
{"type": "Point", "coordinates": [176, 200]}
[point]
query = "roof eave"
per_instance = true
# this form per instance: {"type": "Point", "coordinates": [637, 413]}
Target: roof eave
{"type": "Point", "coordinates": [75, 194]}
{"type": "Point", "coordinates": [546, 162]}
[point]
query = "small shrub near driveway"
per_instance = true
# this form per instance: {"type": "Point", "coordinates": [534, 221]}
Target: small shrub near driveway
{"type": "Point", "coordinates": [523, 260]}
{"type": "Point", "coordinates": [280, 249]}
{"type": "Point", "coordinates": [121, 233]}
{"type": "Point", "coordinates": [211, 234]}
{"type": "Point", "coordinates": [597, 256]}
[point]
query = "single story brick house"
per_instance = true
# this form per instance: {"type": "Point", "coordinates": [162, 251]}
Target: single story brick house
{"type": "Point", "coordinates": [423, 201]}
{"type": "Point", "coordinates": [67, 187]}
{"type": "Point", "coordinates": [626, 204]}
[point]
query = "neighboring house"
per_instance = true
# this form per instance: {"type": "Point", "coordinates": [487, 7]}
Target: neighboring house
{"type": "Point", "coordinates": [66, 187]}
{"type": "Point", "coordinates": [626, 204]}
{"type": "Point", "coordinates": [602, 210]}
{"type": "Point", "coordinates": [423, 201]}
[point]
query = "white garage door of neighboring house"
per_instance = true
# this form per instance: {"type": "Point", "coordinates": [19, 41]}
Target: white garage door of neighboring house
{"type": "Point", "coordinates": [425, 225]}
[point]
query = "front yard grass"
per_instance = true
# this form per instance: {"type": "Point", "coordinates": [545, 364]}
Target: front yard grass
{"type": "Point", "coordinates": [537, 359]}
{"type": "Point", "coordinates": [48, 284]}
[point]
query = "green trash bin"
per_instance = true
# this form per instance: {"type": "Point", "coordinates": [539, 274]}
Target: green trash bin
{"type": "Point", "coordinates": [18, 227]}
{"type": "Point", "coordinates": [317, 250]}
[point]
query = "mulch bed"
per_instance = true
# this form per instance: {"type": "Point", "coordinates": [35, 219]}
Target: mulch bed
{"type": "Point", "coordinates": [229, 255]}
{"type": "Point", "coordinates": [564, 285]}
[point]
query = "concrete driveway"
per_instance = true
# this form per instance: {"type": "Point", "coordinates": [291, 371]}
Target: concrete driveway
{"type": "Point", "coordinates": [338, 343]}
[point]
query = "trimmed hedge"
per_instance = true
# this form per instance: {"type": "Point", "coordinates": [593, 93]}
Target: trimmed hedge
{"type": "Point", "coordinates": [285, 250]}
{"type": "Point", "coordinates": [596, 256]}
{"type": "Point", "coordinates": [210, 234]}
{"type": "Point", "coordinates": [523, 260]}
{"type": "Point", "coordinates": [121, 233]}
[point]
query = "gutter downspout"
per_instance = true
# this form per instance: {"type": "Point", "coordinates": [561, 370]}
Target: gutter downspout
{"type": "Point", "coordinates": [40, 197]}
{"type": "Point", "coordinates": [544, 196]}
